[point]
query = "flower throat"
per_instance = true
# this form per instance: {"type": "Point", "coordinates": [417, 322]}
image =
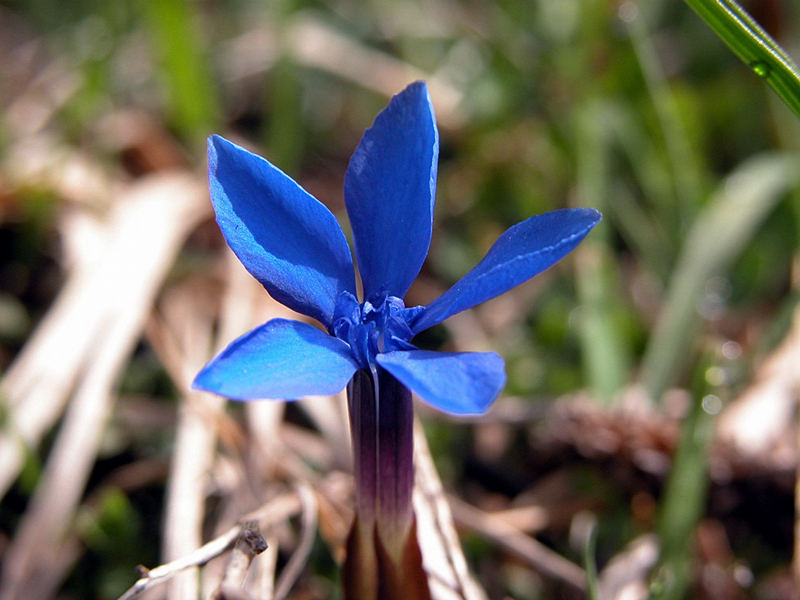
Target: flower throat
{"type": "Point", "coordinates": [379, 325]}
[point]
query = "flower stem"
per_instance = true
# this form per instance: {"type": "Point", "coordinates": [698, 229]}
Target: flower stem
{"type": "Point", "coordinates": [395, 463]}
{"type": "Point", "coordinates": [383, 558]}
{"type": "Point", "coordinates": [362, 408]}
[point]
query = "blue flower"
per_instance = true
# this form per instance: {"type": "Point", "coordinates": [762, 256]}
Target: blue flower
{"type": "Point", "coordinates": [295, 248]}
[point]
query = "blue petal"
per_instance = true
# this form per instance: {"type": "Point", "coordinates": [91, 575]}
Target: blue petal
{"type": "Point", "coordinates": [287, 240]}
{"type": "Point", "coordinates": [460, 383]}
{"type": "Point", "coordinates": [389, 189]}
{"type": "Point", "coordinates": [524, 250]}
{"type": "Point", "coordinates": [281, 359]}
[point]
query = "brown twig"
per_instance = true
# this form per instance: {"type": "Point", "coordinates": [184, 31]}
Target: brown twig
{"type": "Point", "coordinates": [249, 544]}
{"type": "Point", "coordinates": [151, 577]}
{"type": "Point", "coordinates": [275, 511]}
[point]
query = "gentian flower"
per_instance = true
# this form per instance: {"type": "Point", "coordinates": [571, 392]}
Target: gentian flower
{"type": "Point", "coordinates": [294, 247]}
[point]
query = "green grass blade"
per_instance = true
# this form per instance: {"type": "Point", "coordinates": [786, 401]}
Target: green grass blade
{"type": "Point", "coordinates": [684, 166]}
{"type": "Point", "coordinates": [716, 238]}
{"type": "Point", "coordinates": [590, 565]}
{"type": "Point", "coordinates": [683, 504]}
{"type": "Point", "coordinates": [192, 101]}
{"type": "Point", "coordinates": [753, 45]}
{"type": "Point", "coordinates": [606, 359]}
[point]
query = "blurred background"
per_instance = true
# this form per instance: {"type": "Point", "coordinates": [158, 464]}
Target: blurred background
{"type": "Point", "coordinates": [648, 427]}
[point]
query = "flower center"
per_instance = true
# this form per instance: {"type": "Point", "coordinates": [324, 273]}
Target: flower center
{"type": "Point", "coordinates": [376, 326]}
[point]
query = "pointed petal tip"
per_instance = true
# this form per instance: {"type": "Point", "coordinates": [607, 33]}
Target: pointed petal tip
{"type": "Point", "coordinates": [417, 91]}
{"type": "Point", "coordinates": [580, 220]}
{"type": "Point", "coordinates": [202, 382]}
{"type": "Point", "coordinates": [593, 215]}
{"type": "Point", "coordinates": [211, 150]}
{"type": "Point", "coordinates": [197, 382]}
{"type": "Point", "coordinates": [230, 152]}
{"type": "Point", "coordinates": [417, 86]}
{"type": "Point", "coordinates": [216, 143]}
{"type": "Point", "coordinates": [207, 381]}
{"type": "Point", "coordinates": [573, 218]}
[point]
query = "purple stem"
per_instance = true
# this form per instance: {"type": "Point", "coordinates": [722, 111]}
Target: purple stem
{"type": "Point", "coordinates": [395, 463]}
{"type": "Point", "coordinates": [381, 423]}
{"type": "Point", "coordinates": [383, 559]}
{"type": "Point", "coordinates": [363, 423]}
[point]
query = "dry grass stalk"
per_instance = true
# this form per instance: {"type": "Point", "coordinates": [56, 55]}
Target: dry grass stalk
{"type": "Point", "coordinates": [294, 568]}
{"type": "Point", "coordinates": [188, 321]}
{"type": "Point", "coordinates": [315, 44]}
{"type": "Point", "coordinates": [525, 548]}
{"type": "Point", "coordinates": [152, 221]}
{"type": "Point", "coordinates": [448, 575]}
{"type": "Point", "coordinates": [37, 384]}
{"type": "Point", "coordinates": [626, 576]}
{"type": "Point", "coordinates": [758, 418]}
